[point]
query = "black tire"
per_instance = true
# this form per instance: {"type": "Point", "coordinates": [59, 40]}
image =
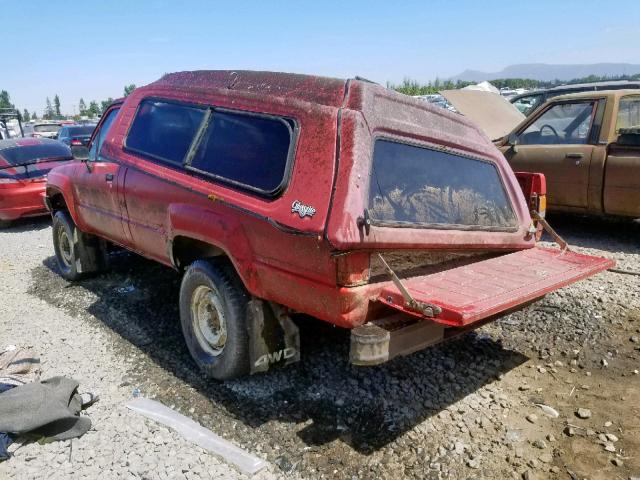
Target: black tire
{"type": "Point", "coordinates": [5, 223]}
{"type": "Point", "coordinates": [65, 246]}
{"type": "Point", "coordinates": [219, 344]}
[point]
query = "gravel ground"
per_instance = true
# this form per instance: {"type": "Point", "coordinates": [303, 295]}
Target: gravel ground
{"type": "Point", "coordinates": [466, 409]}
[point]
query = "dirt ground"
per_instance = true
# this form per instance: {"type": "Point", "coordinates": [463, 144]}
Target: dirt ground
{"type": "Point", "coordinates": [459, 410]}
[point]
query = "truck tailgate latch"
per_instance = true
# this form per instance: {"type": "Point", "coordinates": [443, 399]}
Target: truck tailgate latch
{"type": "Point", "coordinates": [564, 246]}
{"type": "Point", "coordinates": [427, 309]}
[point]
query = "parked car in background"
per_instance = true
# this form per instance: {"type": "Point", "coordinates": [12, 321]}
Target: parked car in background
{"type": "Point", "coordinates": [279, 193]}
{"type": "Point", "coordinates": [435, 99]}
{"type": "Point", "coordinates": [528, 102]}
{"type": "Point", "coordinates": [46, 130]}
{"type": "Point", "coordinates": [588, 147]}
{"type": "Point", "coordinates": [27, 129]}
{"type": "Point", "coordinates": [77, 138]}
{"type": "Point", "coordinates": [24, 164]}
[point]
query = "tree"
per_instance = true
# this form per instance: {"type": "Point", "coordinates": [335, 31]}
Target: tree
{"type": "Point", "coordinates": [82, 107]}
{"type": "Point", "coordinates": [94, 109]}
{"type": "Point", "coordinates": [48, 110]}
{"type": "Point", "coordinates": [129, 88]}
{"type": "Point", "coordinates": [56, 105]}
{"type": "Point", "coordinates": [105, 104]}
{"type": "Point", "coordinates": [34, 115]}
{"type": "Point", "coordinates": [25, 115]}
{"type": "Point", "coordinates": [5, 101]}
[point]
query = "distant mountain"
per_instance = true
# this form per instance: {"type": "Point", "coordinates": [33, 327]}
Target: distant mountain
{"type": "Point", "coordinates": [546, 73]}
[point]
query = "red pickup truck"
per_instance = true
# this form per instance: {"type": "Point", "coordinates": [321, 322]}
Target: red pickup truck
{"type": "Point", "coordinates": [278, 194]}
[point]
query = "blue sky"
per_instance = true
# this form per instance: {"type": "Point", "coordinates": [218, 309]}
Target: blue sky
{"type": "Point", "coordinates": [91, 49]}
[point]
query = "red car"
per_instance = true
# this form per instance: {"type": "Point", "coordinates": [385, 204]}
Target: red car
{"type": "Point", "coordinates": [278, 194]}
{"type": "Point", "coordinates": [24, 164]}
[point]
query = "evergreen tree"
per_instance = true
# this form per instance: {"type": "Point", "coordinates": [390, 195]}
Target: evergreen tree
{"type": "Point", "coordinates": [56, 105]}
{"type": "Point", "coordinates": [82, 107]}
{"type": "Point", "coordinates": [94, 109]}
{"type": "Point", "coordinates": [105, 104]}
{"type": "Point", "coordinates": [25, 115]}
{"type": "Point", "coordinates": [129, 88]}
{"type": "Point", "coordinates": [48, 110]}
{"type": "Point", "coordinates": [5, 101]}
{"type": "Point", "coordinates": [34, 115]}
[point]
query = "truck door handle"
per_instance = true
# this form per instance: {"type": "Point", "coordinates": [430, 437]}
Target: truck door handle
{"type": "Point", "coordinates": [574, 155]}
{"type": "Point", "coordinates": [109, 177]}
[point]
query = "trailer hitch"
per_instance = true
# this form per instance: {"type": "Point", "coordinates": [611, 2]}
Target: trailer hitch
{"type": "Point", "coordinates": [427, 309]}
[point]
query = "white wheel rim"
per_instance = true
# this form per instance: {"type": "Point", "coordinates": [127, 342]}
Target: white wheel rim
{"type": "Point", "coordinates": [64, 245]}
{"type": "Point", "coordinates": [208, 320]}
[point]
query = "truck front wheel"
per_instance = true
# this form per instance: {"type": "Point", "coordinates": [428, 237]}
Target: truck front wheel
{"type": "Point", "coordinates": [213, 309]}
{"type": "Point", "coordinates": [77, 252]}
{"type": "Point", "coordinates": [65, 246]}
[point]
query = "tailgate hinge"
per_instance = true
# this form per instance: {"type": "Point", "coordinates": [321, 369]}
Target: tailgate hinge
{"type": "Point", "coordinates": [564, 246]}
{"type": "Point", "coordinates": [427, 309]}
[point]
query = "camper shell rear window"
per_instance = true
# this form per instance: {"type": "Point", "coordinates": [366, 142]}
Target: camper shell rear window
{"type": "Point", "coordinates": [416, 186]}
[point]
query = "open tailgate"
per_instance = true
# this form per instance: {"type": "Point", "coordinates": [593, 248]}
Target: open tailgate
{"type": "Point", "coordinates": [479, 290]}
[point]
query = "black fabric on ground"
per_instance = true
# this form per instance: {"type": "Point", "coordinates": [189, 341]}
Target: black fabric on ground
{"type": "Point", "coordinates": [49, 408]}
{"type": "Point", "coordinates": [5, 441]}
{"type": "Point", "coordinates": [5, 386]}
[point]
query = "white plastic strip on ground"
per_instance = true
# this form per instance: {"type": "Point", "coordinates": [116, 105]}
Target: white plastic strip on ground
{"type": "Point", "coordinates": [197, 434]}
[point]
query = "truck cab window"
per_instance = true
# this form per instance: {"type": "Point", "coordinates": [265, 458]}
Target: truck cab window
{"type": "Point", "coordinates": [164, 130]}
{"type": "Point", "coordinates": [628, 113]}
{"type": "Point", "coordinates": [98, 140]}
{"type": "Point", "coordinates": [562, 124]}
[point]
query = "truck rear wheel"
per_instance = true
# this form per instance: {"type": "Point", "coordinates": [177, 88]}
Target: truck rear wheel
{"type": "Point", "coordinates": [213, 309]}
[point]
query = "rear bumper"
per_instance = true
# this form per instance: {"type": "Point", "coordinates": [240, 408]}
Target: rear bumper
{"type": "Point", "coordinates": [23, 201]}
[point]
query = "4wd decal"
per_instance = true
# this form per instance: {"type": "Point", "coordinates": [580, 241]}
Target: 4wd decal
{"type": "Point", "coordinates": [274, 357]}
{"type": "Point", "coordinates": [302, 209]}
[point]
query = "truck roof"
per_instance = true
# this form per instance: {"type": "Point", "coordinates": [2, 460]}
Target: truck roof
{"type": "Point", "coordinates": [310, 88]}
{"type": "Point", "coordinates": [587, 87]}
{"type": "Point", "coordinates": [408, 114]}
{"type": "Point", "coordinates": [598, 94]}
{"type": "Point", "coordinates": [355, 94]}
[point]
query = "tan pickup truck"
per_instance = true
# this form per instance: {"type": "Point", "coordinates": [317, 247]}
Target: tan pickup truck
{"type": "Point", "coordinates": [586, 144]}
{"type": "Point", "coordinates": [588, 147]}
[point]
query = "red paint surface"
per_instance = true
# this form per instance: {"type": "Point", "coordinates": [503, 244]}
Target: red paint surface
{"type": "Point", "coordinates": [280, 256]}
{"type": "Point", "coordinates": [25, 199]}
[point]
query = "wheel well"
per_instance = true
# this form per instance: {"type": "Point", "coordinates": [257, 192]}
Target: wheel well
{"type": "Point", "coordinates": [56, 201]}
{"type": "Point", "coordinates": [186, 250]}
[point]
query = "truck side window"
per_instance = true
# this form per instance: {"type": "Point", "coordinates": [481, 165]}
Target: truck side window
{"type": "Point", "coordinates": [562, 124]}
{"type": "Point", "coordinates": [164, 130]}
{"type": "Point", "coordinates": [628, 113]}
{"type": "Point", "coordinates": [98, 140]}
{"type": "Point", "coordinates": [248, 150]}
